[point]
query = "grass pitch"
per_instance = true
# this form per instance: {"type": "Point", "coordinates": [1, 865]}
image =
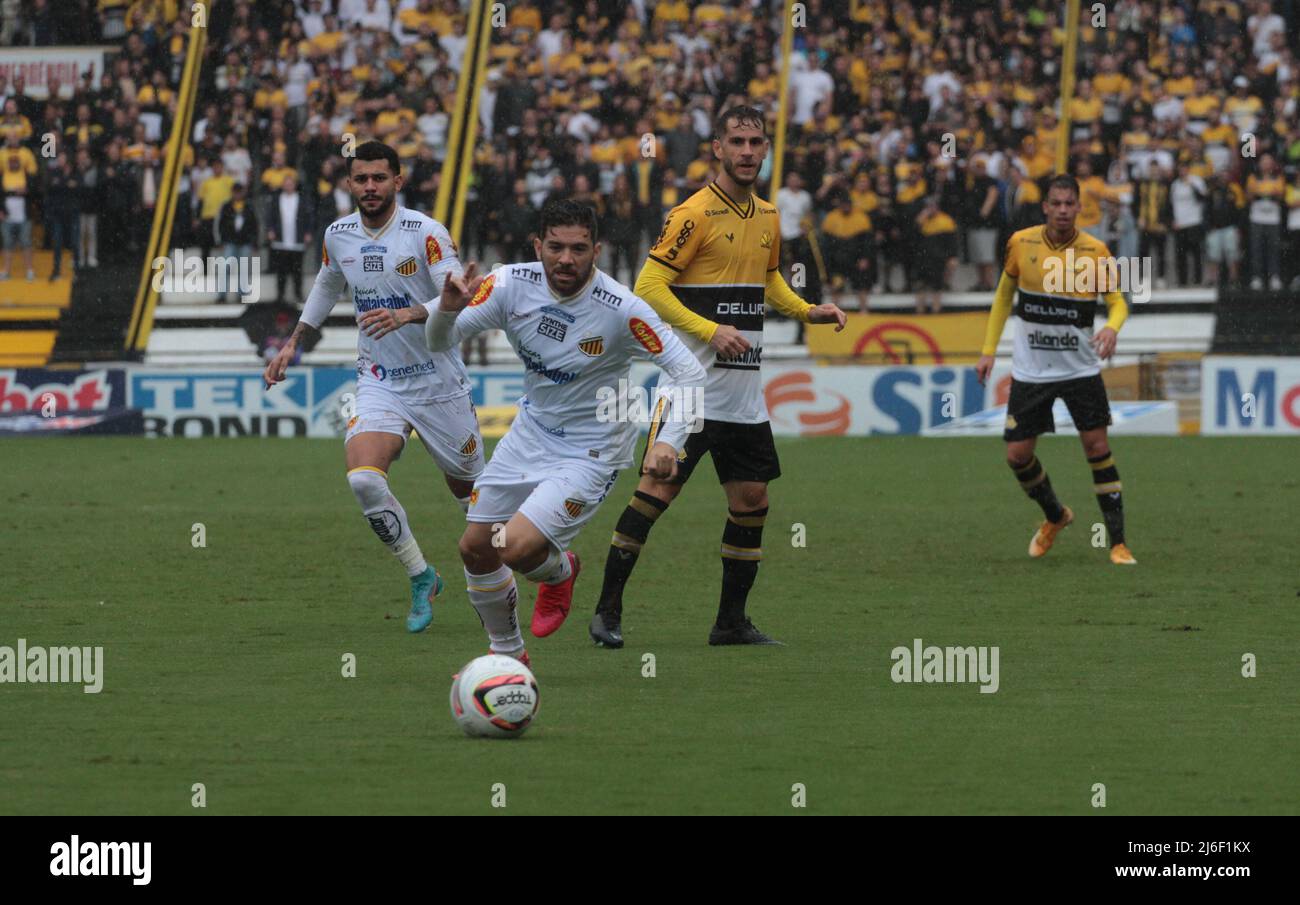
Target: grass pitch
{"type": "Point", "coordinates": [222, 664]}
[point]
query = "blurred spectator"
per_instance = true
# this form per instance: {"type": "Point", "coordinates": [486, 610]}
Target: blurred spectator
{"type": "Point", "coordinates": [1153, 217]}
{"type": "Point", "coordinates": [91, 199]}
{"type": "Point", "coordinates": [236, 228]}
{"type": "Point", "coordinates": [516, 224]}
{"type": "Point", "coordinates": [794, 205]}
{"type": "Point", "coordinates": [17, 178]}
{"type": "Point", "coordinates": [1265, 192]}
{"type": "Point", "coordinates": [289, 231]}
{"type": "Point", "coordinates": [938, 255]}
{"type": "Point", "coordinates": [62, 211]}
{"type": "Point", "coordinates": [620, 231]}
{"type": "Point", "coordinates": [1187, 196]}
{"type": "Point", "coordinates": [214, 191]}
{"type": "Point", "coordinates": [982, 223]}
{"type": "Point", "coordinates": [1223, 206]}
{"type": "Point", "coordinates": [849, 249]}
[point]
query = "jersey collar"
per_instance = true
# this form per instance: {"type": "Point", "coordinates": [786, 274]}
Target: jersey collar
{"type": "Point", "coordinates": [397, 211]}
{"type": "Point", "coordinates": [1065, 244]}
{"type": "Point", "coordinates": [730, 202]}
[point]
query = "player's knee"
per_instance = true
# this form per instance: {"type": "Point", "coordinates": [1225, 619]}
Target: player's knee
{"type": "Point", "coordinates": [1094, 448]}
{"type": "Point", "coordinates": [475, 552]}
{"type": "Point", "coordinates": [369, 486]}
{"type": "Point", "coordinates": [522, 556]}
{"type": "Point", "coordinates": [753, 497]}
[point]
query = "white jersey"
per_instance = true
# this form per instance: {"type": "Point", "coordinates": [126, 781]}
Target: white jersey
{"type": "Point", "coordinates": [575, 350]}
{"type": "Point", "coordinates": [399, 265]}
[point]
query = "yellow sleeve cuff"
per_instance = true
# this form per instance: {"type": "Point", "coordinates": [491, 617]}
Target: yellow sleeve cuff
{"type": "Point", "coordinates": [1118, 309]}
{"type": "Point", "coordinates": [784, 299]}
{"type": "Point", "coordinates": [654, 286]}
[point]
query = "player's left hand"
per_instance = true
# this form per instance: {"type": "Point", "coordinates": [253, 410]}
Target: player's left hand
{"type": "Point", "coordinates": [382, 321]}
{"type": "Point", "coordinates": [1104, 342]}
{"type": "Point", "coordinates": [828, 313]}
{"type": "Point", "coordinates": [661, 462]}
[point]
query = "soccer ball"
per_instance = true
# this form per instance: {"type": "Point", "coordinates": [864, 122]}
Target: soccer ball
{"type": "Point", "coordinates": [494, 697]}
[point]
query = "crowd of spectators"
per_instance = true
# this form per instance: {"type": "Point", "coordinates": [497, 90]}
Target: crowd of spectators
{"type": "Point", "coordinates": [920, 131]}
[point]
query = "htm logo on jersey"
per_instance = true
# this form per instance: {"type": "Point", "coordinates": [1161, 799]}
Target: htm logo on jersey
{"type": "Point", "coordinates": [605, 297]}
{"type": "Point", "coordinates": [102, 859]}
{"type": "Point", "coordinates": [484, 290]}
{"type": "Point", "coordinates": [526, 273]}
{"type": "Point", "coordinates": [408, 267]}
{"type": "Point", "coordinates": [592, 346]}
{"type": "Point", "coordinates": [411, 224]}
{"type": "Point", "coordinates": [432, 250]}
{"type": "Point", "coordinates": [645, 335]}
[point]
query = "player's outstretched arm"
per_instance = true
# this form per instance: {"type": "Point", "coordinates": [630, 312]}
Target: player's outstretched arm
{"type": "Point", "coordinates": [787, 301]}
{"type": "Point", "coordinates": [325, 290]}
{"type": "Point", "coordinates": [1105, 339]}
{"type": "Point", "coordinates": [469, 304]}
{"type": "Point", "coordinates": [654, 287]}
{"type": "Point", "coordinates": [652, 339]}
{"type": "Point", "coordinates": [1002, 299]}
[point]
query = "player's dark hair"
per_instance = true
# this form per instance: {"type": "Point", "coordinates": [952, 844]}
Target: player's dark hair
{"type": "Point", "coordinates": [376, 150]}
{"type": "Point", "coordinates": [744, 116]}
{"type": "Point", "coordinates": [1063, 181]}
{"type": "Point", "coordinates": [569, 213]}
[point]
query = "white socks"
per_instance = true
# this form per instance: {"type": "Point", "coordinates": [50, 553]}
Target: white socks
{"type": "Point", "coordinates": [554, 570]}
{"type": "Point", "coordinates": [386, 516]}
{"type": "Point", "coordinates": [494, 597]}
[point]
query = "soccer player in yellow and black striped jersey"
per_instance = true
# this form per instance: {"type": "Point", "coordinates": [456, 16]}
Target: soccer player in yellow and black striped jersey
{"type": "Point", "coordinates": [1057, 354]}
{"type": "Point", "coordinates": [708, 275]}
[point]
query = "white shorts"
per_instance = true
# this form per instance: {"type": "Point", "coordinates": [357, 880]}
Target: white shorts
{"type": "Point", "coordinates": [555, 490]}
{"type": "Point", "coordinates": [983, 246]}
{"type": "Point", "coordinates": [447, 428]}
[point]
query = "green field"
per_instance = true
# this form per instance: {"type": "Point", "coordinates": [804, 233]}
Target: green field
{"type": "Point", "coordinates": [223, 664]}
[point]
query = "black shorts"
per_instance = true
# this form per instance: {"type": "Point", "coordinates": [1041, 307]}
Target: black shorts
{"type": "Point", "coordinates": [741, 452]}
{"type": "Point", "coordinates": [1029, 406]}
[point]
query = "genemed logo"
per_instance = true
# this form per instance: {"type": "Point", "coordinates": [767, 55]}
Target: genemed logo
{"type": "Point", "coordinates": [819, 413]}
{"type": "Point", "coordinates": [401, 373]}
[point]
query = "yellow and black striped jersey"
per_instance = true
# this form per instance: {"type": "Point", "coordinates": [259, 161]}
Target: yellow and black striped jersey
{"type": "Point", "coordinates": [721, 253]}
{"type": "Point", "coordinates": [1057, 286]}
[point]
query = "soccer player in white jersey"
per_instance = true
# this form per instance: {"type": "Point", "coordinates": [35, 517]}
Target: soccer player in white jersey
{"type": "Point", "coordinates": [393, 259]}
{"type": "Point", "coordinates": [576, 330]}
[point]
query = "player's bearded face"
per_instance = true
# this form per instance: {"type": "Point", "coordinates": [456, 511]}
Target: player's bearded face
{"type": "Point", "coordinates": [741, 151]}
{"type": "Point", "coordinates": [374, 186]}
{"type": "Point", "coordinates": [567, 255]}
